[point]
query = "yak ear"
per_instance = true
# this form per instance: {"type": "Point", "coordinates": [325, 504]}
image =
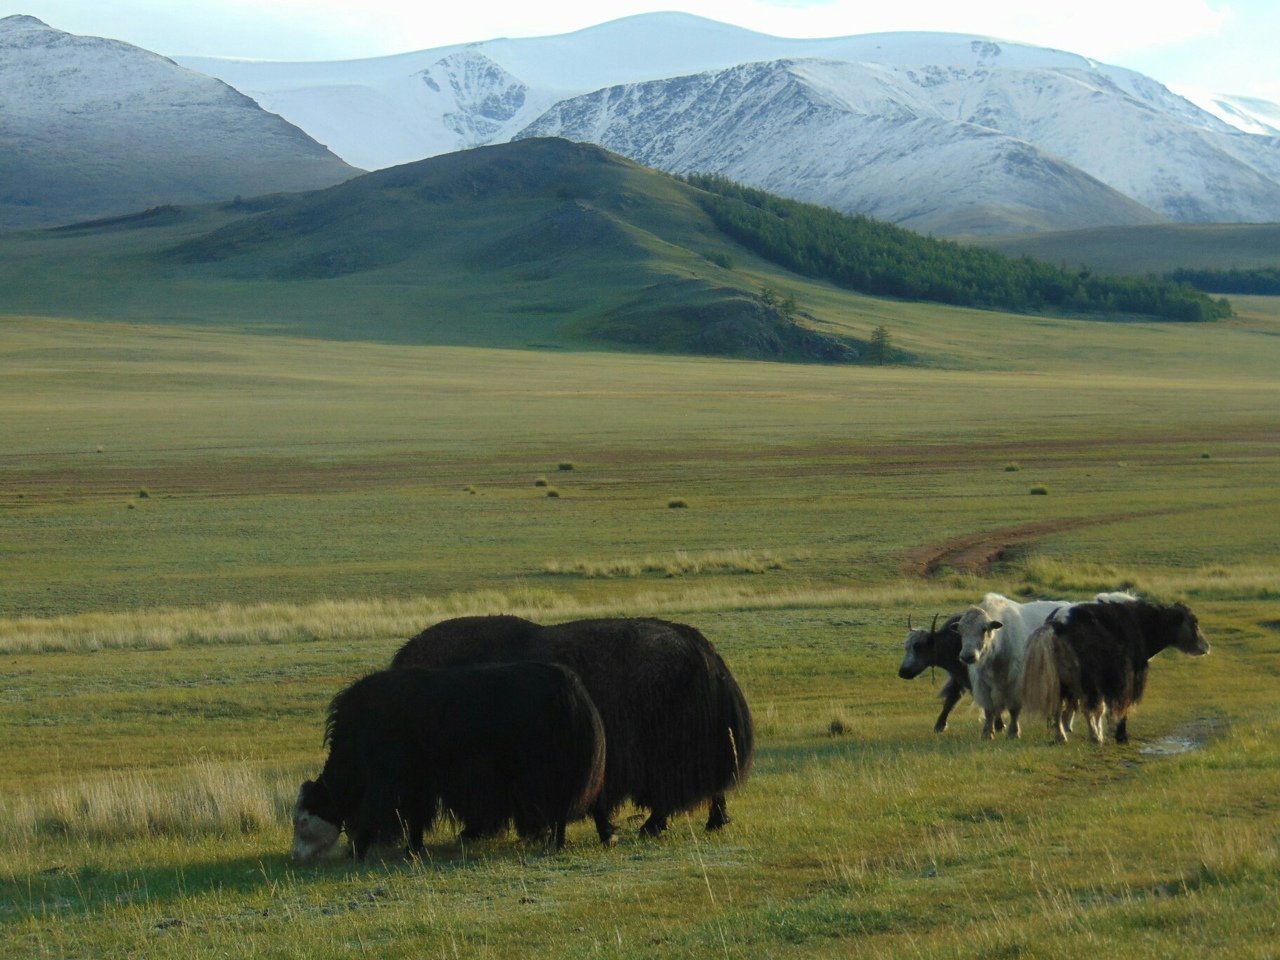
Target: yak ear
{"type": "Point", "coordinates": [993, 626]}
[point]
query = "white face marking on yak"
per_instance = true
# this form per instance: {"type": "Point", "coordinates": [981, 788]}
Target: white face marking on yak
{"type": "Point", "coordinates": [913, 660]}
{"type": "Point", "coordinates": [312, 834]}
{"type": "Point", "coordinates": [976, 630]}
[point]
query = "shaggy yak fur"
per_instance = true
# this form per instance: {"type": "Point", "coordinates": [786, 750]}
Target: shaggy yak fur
{"type": "Point", "coordinates": [1095, 655]}
{"type": "Point", "coordinates": [677, 727]}
{"type": "Point", "coordinates": [492, 745]}
{"type": "Point", "coordinates": [939, 647]}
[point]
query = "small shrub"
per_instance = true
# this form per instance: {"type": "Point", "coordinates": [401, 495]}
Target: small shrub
{"type": "Point", "coordinates": [677, 504]}
{"type": "Point", "coordinates": [565, 465]}
{"type": "Point", "coordinates": [143, 494]}
{"type": "Point", "coordinates": [469, 489]}
{"type": "Point", "coordinates": [837, 728]}
{"type": "Point", "coordinates": [1039, 491]}
{"type": "Point", "coordinates": [1204, 456]}
{"type": "Point", "coordinates": [719, 258]}
{"type": "Point", "coordinates": [540, 482]}
{"type": "Point", "coordinates": [1011, 468]}
{"type": "Point", "coordinates": [552, 492]}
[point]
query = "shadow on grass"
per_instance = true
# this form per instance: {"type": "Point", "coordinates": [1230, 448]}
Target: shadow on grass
{"type": "Point", "coordinates": [88, 888]}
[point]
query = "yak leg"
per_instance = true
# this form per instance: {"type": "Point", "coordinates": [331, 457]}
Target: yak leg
{"type": "Point", "coordinates": [1122, 729]}
{"type": "Point", "coordinates": [988, 725]}
{"type": "Point", "coordinates": [557, 835]}
{"type": "Point", "coordinates": [655, 826]}
{"type": "Point", "coordinates": [718, 815]}
{"type": "Point", "coordinates": [1098, 725]}
{"type": "Point", "coordinates": [1015, 731]}
{"type": "Point", "coordinates": [605, 829]}
{"type": "Point", "coordinates": [948, 704]}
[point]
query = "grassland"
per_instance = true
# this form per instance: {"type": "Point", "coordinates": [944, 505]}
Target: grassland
{"type": "Point", "coordinates": [204, 533]}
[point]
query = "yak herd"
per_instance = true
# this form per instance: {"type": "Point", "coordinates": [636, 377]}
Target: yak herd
{"type": "Point", "coordinates": [501, 723]}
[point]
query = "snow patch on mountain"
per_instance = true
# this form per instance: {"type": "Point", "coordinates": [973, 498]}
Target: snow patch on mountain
{"type": "Point", "coordinates": [92, 127]}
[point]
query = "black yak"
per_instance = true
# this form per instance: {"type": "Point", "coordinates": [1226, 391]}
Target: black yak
{"type": "Point", "coordinates": [939, 648]}
{"type": "Point", "coordinates": [677, 728]}
{"type": "Point", "coordinates": [512, 743]}
{"type": "Point", "coordinates": [1095, 655]}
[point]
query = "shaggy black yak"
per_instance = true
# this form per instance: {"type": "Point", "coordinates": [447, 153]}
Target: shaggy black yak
{"type": "Point", "coordinates": [677, 728]}
{"type": "Point", "coordinates": [1095, 655]}
{"type": "Point", "coordinates": [939, 648]}
{"type": "Point", "coordinates": [514, 743]}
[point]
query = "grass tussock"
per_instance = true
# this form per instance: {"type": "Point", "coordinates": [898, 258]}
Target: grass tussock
{"type": "Point", "coordinates": [203, 799]}
{"type": "Point", "coordinates": [679, 564]}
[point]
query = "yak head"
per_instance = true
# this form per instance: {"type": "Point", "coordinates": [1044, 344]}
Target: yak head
{"type": "Point", "coordinates": [976, 630]}
{"type": "Point", "coordinates": [1187, 636]}
{"type": "Point", "coordinates": [315, 824]}
{"type": "Point", "coordinates": [921, 652]}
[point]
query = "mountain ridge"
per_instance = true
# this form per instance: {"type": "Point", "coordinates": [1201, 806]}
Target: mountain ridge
{"type": "Point", "coordinates": [1106, 123]}
{"type": "Point", "coordinates": [95, 128]}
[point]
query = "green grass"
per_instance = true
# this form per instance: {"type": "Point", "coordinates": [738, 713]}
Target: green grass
{"type": "Point", "coordinates": [309, 507]}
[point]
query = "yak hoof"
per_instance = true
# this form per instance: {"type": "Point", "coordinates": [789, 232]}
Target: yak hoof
{"type": "Point", "coordinates": [940, 726]}
{"type": "Point", "coordinates": [718, 813]}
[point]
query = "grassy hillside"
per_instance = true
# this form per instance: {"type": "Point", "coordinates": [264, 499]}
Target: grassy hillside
{"type": "Point", "coordinates": [204, 534]}
{"type": "Point", "coordinates": [1159, 249]}
{"type": "Point", "coordinates": [537, 244]}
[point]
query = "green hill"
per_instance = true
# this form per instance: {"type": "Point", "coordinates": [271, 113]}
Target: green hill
{"type": "Point", "coordinates": [537, 243]}
{"type": "Point", "coordinates": [542, 242]}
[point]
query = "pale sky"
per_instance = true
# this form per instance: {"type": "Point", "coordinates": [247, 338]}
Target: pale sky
{"type": "Point", "coordinates": [1226, 46]}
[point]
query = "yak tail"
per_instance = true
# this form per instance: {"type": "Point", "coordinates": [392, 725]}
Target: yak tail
{"type": "Point", "coordinates": [1041, 680]}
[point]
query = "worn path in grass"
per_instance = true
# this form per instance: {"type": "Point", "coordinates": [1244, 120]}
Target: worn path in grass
{"type": "Point", "coordinates": [979, 553]}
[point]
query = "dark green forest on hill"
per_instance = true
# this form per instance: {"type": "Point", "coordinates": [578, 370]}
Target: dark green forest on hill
{"type": "Point", "coordinates": [881, 259]}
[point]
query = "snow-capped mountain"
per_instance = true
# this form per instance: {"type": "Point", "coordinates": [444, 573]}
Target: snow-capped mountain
{"type": "Point", "coordinates": [943, 132]}
{"type": "Point", "coordinates": [93, 128]}
{"type": "Point", "coordinates": [941, 148]}
{"type": "Point", "coordinates": [1250, 114]}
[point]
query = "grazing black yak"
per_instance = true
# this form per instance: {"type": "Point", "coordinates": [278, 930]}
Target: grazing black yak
{"type": "Point", "coordinates": [677, 727]}
{"type": "Point", "coordinates": [511, 743]}
{"type": "Point", "coordinates": [1095, 655]}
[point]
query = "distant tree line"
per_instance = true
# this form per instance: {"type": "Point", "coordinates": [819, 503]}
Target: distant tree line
{"type": "Point", "coordinates": [1263, 281]}
{"type": "Point", "coordinates": [879, 258]}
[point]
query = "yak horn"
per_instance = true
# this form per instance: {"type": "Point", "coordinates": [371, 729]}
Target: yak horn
{"type": "Point", "coordinates": [933, 628]}
{"type": "Point", "coordinates": [908, 621]}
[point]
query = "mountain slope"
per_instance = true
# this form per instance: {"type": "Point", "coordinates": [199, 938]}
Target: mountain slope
{"type": "Point", "coordinates": [943, 132]}
{"type": "Point", "coordinates": [541, 242]}
{"type": "Point", "coordinates": [844, 136]}
{"type": "Point", "coordinates": [92, 128]}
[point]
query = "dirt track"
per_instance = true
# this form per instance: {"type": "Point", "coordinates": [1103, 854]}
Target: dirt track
{"type": "Point", "coordinates": [979, 552]}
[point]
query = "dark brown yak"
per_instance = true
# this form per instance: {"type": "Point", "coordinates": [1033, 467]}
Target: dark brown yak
{"type": "Point", "coordinates": [677, 728]}
{"type": "Point", "coordinates": [491, 745]}
{"type": "Point", "coordinates": [1096, 654]}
